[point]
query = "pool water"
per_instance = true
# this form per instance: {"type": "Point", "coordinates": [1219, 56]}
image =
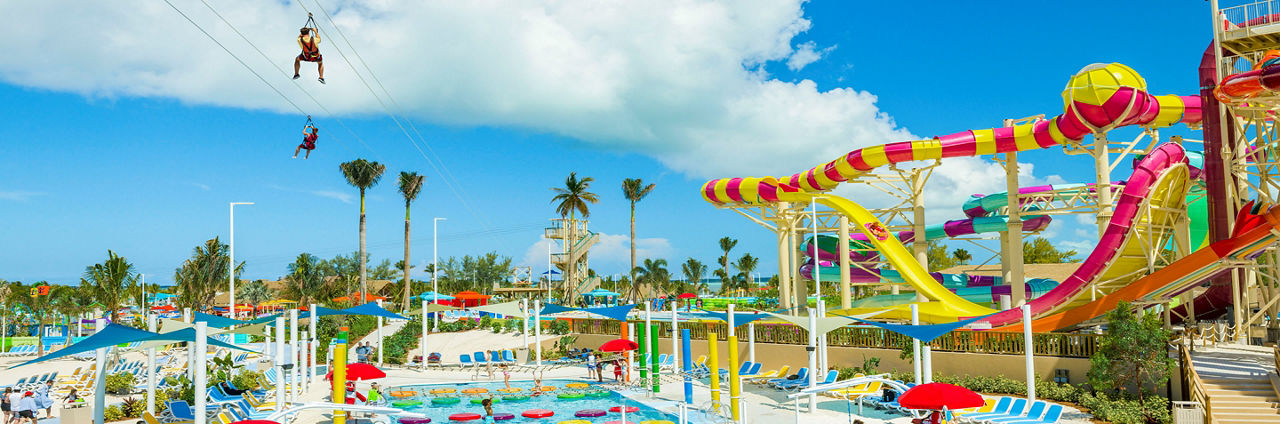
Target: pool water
{"type": "Point", "coordinates": [594, 397]}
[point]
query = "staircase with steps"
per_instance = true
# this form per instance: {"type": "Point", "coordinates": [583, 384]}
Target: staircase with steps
{"type": "Point", "coordinates": [1238, 380]}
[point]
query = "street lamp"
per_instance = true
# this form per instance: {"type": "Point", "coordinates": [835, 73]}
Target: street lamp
{"type": "Point", "coordinates": [435, 267]}
{"type": "Point", "coordinates": [231, 266]}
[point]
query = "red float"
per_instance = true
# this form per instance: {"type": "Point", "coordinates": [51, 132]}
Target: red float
{"type": "Point", "coordinates": [629, 409]}
{"type": "Point", "coordinates": [465, 416]}
{"type": "Point", "coordinates": [537, 413]}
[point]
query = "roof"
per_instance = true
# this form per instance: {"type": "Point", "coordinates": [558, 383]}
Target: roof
{"type": "Point", "coordinates": [1055, 272]}
{"type": "Point", "coordinates": [470, 295]}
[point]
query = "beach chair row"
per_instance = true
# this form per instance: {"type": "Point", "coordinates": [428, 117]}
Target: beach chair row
{"type": "Point", "coordinates": [493, 358]}
{"type": "Point", "coordinates": [33, 381]}
{"type": "Point", "coordinates": [1007, 410]}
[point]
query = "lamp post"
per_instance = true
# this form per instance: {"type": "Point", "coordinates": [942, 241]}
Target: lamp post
{"type": "Point", "coordinates": [231, 264]}
{"type": "Point", "coordinates": [435, 266]}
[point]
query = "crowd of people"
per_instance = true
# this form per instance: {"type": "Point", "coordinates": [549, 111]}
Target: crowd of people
{"type": "Point", "coordinates": [19, 406]}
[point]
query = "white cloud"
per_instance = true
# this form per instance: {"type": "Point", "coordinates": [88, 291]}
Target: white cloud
{"type": "Point", "coordinates": [19, 195]}
{"type": "Point", "coordinates": [805, 54]}
{"type": "Point", "coordinates": [611, 254]}
{"type": "Point", "coordinates": [204, 187]}
{"type": "Point", "coordinates": [678, 80]}
{"type": "Point", "coordinates": [1081, 247]}
{"type": "Point", "coordinates": [340, 196]}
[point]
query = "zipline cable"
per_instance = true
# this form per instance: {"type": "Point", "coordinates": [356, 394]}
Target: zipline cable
{"type": "Point", "coordinates": [442, 169]}
{"type": "Point", "coordinates": [328, 113]}
{"type": "Point", "coordinates": [249, 68]}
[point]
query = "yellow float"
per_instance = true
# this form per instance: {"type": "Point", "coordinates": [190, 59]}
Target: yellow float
{"type": "Point", "coordinates": [574, 422]}
{"type": "Point", "coordinates": [442, 391]}
{"type": "Point", "coordinates": [475, 390]}
{"type": "Point", "coordinates": [510, 390]}
{"type": "Point", "coordinates": [577, 385]}
{"type": "Point", "coordinates": [402, 393]}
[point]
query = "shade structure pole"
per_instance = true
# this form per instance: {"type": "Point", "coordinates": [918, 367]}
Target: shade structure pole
{"type": "Point", "coordinates": [524, 327]}
{"type": "Point", "coordinates": [1026, 340]}
{"type": "Point", "coordinates": [279, 365]}
{"type": "Point", "coordinates": [675, 335]}
{"type": "Point", "coordinates": [537, 332]}
{"type": "Point", "coordinates": [151, 367]}
{"type": "Point", "coordinates": [311, 328]}
{"type": "Point", "coordinates": [202, 380]}
{"type": "Point", "coordinates": [380, 339]}
{"type": "Point", "coordinates": [425, 352]}
{"type": "Point", "coordinates": [813, 358]}
{"type": "Point", "coordinates": [915, 347]}
{"type": "Point", "coordinates": [751, 342]}
{"type": "Point", "coordinates": [295, 355]}
{"type": "Point", "coordinates": [100, 378]}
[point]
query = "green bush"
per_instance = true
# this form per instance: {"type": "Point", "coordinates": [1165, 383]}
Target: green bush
{"type": "Point", "coordinates": [397, 347]}
{"type": "Point", "coordinates": [132, 408]}
{"type": "Point", "coordinates": [497, 327]}
{"type": "Point", "coordinates": [120, 383]}
{"type": "Point", "coordinates": [513, 324]}
{"type": "Point", "coordinates": [246, 380]}
{"type": "Point", "coordinates": [113, 413]}
{"type": "Point", "coordinates": [559, 327]}
{"type": "Point", "coordinates": [162, 401]}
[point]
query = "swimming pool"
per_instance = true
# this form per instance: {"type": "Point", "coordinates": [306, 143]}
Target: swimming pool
{"type": "Point", "coordinates": [565, 403]}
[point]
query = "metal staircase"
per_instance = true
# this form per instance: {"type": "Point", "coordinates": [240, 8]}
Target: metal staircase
{"type": "Point", "coordinates": [575, 244]}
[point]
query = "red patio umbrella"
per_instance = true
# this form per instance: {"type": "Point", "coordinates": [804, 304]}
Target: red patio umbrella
{"type": "Point", "coordinates": [357, 372]}
{"type": "Point", "coordinates": [619, 345]}
{"type": "Point", "coordinates": [686, 296]}
{"type": "Point", "coordinates": [938, 396]}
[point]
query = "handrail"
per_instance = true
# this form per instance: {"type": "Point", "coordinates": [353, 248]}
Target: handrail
{"type": "Point", "coordinates": [1193, 383]}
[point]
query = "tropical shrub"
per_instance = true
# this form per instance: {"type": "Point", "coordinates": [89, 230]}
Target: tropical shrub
{"type": "Point", "coordinates": [120, 383]}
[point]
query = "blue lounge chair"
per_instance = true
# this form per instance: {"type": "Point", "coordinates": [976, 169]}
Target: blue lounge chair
{"type": "Point", "coordinates": [181, 411]}
{"type": "Point", "coordinates": [465, 360]}
{"type": "Point", "coordinates": [1033, 413]}
{"type": "Point", "coordinates": [1014, 409]}
{"type": "Point", "coordinates": [802, 374]}
{"type": "Point", "coordinates": [754, 371]}
{"type": "Point", "coordinates": [1051, 415]}
{"type": "Point", "coordinates": [480, 359]}
{"type": "Point", "coordinates": [508, 357]}
{"type": "Point", "coordinates": [495, 357]}
{"type": "Point", "coordinates": [831, 378]}
{"type": "Point", "coordinates": [746, 366]}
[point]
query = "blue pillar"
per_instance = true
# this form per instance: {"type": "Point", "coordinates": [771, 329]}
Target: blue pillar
{"type": "Point", "coordinates": [685, 354]}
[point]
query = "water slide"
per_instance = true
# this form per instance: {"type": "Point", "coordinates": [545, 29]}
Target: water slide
{"type": "Point", "coordinates": [1254, 232]}
{"type": "Point", "coordinates": [1098, 98]}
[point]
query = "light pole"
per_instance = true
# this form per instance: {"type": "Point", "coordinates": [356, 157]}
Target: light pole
{"type": "Point", "coordinates": [435, 266]}
{"type": "Point", "coordinates": [231, 265]}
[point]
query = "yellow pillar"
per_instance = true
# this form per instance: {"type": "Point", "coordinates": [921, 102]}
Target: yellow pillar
{"type": "Point", "coordinates": [713, 363]}
{"type": "Point", "coordinates": [339, 368]}
{"type": "Point", "coordinates": [846, 296]}
{"type": "Point", "coordinates": [735, 386]}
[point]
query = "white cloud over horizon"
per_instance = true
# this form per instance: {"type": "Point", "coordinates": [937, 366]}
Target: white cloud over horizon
{"type": "Point", "coordinates": [19, 195]}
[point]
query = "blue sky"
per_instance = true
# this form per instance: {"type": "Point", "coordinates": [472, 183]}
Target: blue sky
{"type": "Point", "coordinates": [142, 155]}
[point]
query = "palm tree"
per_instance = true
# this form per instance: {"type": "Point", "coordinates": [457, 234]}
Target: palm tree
{"type": "Point", "coordinates": [362, 174]}
{"type": "Point", "coordinates": [693, 271]}
{"type": "Point", "coordinates": [200, 277]}
{"type": "Point", "coordinates": [962, 256]}
{"type": "Point", "coordinates": [305, 281]}
{"type": "Point", "coordinates": [726, 244]}
{"type": "Point", "coordinates": [110, 282]}
{"type": "Point", "coordinates": [745, 266]}
{"type": "Point", "coordinates": [634, 190]}
{"type": "Point", "coordinates": [654, 273]}
{"type": "Point", "coordinates": [410, 186]}
{"type": "Point", "coordinates": [573, 197]}
{"type": "Point", "coordinates": [255, 292]}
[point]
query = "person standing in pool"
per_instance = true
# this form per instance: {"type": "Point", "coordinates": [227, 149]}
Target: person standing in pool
{"type": "Point", "coordinates": [506, 375]}
{"type": "Point", "coordinates": [488, 410]}
{"type": "Point", "coordinates": [591, 364]}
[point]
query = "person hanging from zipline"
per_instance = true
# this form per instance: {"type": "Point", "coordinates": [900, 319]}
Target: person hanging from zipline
{"type": "Point", "coordinates": [309, 41]}
{"type": "Point", "coordinates": [309, 135]}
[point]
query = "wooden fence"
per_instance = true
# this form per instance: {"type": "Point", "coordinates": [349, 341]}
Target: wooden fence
{"type": "Point", "coordinates": [1067, 345]}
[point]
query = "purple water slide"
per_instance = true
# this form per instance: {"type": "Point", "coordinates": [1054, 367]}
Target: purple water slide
{"type": "Point", "coordinates": [1125, 213]}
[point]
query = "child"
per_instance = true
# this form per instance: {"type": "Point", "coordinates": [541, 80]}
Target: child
{"type": "Point", "coordinates": [488, 410]}
{"type": "Point", "coordinates": [537, 385]}
{"type": "Point", "coordinates": [72, 397]}
{"type": "Point", "coordinates": [506, 375]}
{"type": "Point", "coordinates": [617, 371]}
{"type": "Point", "coordinates": [591, 364]}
